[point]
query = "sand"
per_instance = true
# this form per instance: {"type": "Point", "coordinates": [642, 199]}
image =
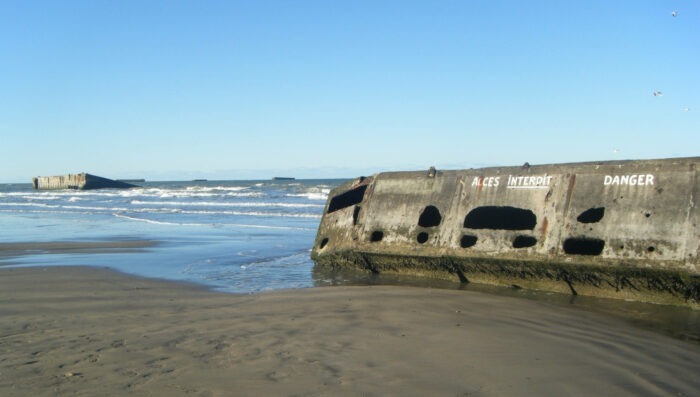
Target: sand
{"type": "Point", "coordinates": [64, 247]}
{"type": "Point", "coordinates": [92, 332]}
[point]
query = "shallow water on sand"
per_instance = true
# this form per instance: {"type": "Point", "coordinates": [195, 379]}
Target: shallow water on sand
{"type": "Point", "coordinates": [234, 236]}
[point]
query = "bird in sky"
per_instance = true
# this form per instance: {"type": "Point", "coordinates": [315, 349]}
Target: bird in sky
{"type": "Point", "coordinates": [674, 13]}
{"type": "Point", "coordinates": [658, 93]}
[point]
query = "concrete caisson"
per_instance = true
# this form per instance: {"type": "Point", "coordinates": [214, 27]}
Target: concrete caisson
{"type": "Point", "coordinates": [82, 181]}
{"type": "Point", "coordinates": [623, 229]}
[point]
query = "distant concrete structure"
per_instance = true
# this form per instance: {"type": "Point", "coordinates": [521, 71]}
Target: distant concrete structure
{"type": "Point", "coordinates": [623, 229]}
{"type": "Point", "coordinates": [82, 181]}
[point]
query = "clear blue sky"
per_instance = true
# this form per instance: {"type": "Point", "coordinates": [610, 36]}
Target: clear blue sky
{"type": "Point", "coordinates": [254, 89]}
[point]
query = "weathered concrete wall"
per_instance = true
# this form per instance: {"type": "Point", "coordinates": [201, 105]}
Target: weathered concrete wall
{"type": "Point", "coordinates": [80, 181]}
{"type": "Point", "coordinates": [70, 181]}
{"type": "Point", "coordinates": [626, 229]}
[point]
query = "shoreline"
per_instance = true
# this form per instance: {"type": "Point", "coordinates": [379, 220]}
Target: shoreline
{"type": "Point", "coordinates": [678, 322]}
{"type": "Point", "coordinates": [93, 331]}
{"type": "Point", "coordinates": [17, 249]}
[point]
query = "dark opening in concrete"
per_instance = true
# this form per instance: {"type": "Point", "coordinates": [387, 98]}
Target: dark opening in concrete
{"type": "Point", "coordinates": [583, 246]}
{"type": "Point", "coordinates": [524, 242]}
{"type": "Point", "coordinates": [430, 217]}
{"type": "Point", "coordinates": [500, 218]}
{"type": "Point", "coordinates": [467, 241]}
{"type": "Point", "coordinates": [356, 215]}
{"type": "Point", "coordinates": [323, 243]}
{"type": "Point", "coordinates": [376, 236]}
{"type": "Point", "coordinates": [591, 215]}
{"type": "Point", "coordinates": [344, 200]}
{"type": "Point", "coordinates": [422, 237]}
{"type": "Point", "coordinates": [651, 248]}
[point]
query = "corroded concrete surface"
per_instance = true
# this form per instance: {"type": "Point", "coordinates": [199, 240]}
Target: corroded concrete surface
{"type": "Point", "coordinates": [625, 229]}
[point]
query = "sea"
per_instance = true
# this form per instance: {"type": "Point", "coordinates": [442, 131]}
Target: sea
{"type": "Point", "coordinates": [232, 236]}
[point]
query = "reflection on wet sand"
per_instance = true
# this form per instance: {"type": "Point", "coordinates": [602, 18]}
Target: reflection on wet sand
{"type": "Point", "coordinates": [678, 322]}
{"type": "Point", "coordinates": [65, 247]}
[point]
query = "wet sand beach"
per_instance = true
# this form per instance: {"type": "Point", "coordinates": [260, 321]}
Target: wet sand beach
{"type": "Point", "coordinates": [93, 332]}
{"type": "Point", "coordinates": [63, 247]}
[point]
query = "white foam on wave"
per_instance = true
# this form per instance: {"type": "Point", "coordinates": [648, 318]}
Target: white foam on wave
{"type": "Point", "coordinates": [190, 191]}
{"type": "Point", "coordinates": [42, 205]}
{"type": "Point", "coordinates": [161, 192]}
{"type": "Point", "coordinates": [245, 194]}
{"type": "Point", "coordinates": [170, 210]}
{"type": "Point", "coordinates": [49, 213]}
{"type": "Point", "coordinates": [155, 222]}
{"type": "Point", "coordinates": [216, 188]}
{"type": "Point", "coordinates": [92, 193]}
{"type": "Point", "coordinates": [224, 204]}
{"type": "Point", "coordinates": [180, 193]}
{"type": "Point", "coordinates": [61, 194]}
{"type": "Point", "coordinates": [151, 221]}
{"type": "Point", "coordinates": [186, 194]}
{"type": "Point", "coordinates": [173, 210]}
{"type": "Point", "coordinates": [269, 227]}
{"type": "Point", "coordinates": [253, 213]}
{"type": "Point", "coordinates": [157, 192]}
{"type": "Point", "coordinates": [47, 197]}
{"type": "Point", "coordinates": [86, 208]}
{"type": "Point", "coordinates": [32, 195]}
{"type": "Point", "coordinates": [311, 195]}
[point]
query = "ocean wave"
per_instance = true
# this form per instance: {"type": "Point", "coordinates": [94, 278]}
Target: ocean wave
{"type": "Point", "coordinates": [88, 208]}
{"type": "Point", "coordinates": [254, 213]}
{"type": "Point", "coordinates": [167, 193]}
{"type": "Point", "coordinates": [166, 210]}
{"type": "Point", "coordinates": [151, 221]}
{"type": "Point", "coordinates": [31, 196]}
{"type": "Point", "coordinates": [135, 192]}
{"type": "Point", "coordinates": [180, 192]}
{"type": "Point", "coordinates": [227, 204]}
{"type": "Point", "coordinates": [313, 193]}
{"type": "Point", "coordinates": [84, 208]}
{"type": "Point", "coordinates": [216, 188]}
{"type": "Point", "coordinates": [42, 205]}
{"type": "Point", "coordinates": [245, 194]}
{"type": "Point", "coordinates": [35, 211]}
{"type": "Point", "coordinates": [166, 223]}
{"type": "Point", "coordinates": [185, 194]}
{"type": "Point", "coordinates": [47, 198]}
{"type": "Point", "coordinates": [310, 196]}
